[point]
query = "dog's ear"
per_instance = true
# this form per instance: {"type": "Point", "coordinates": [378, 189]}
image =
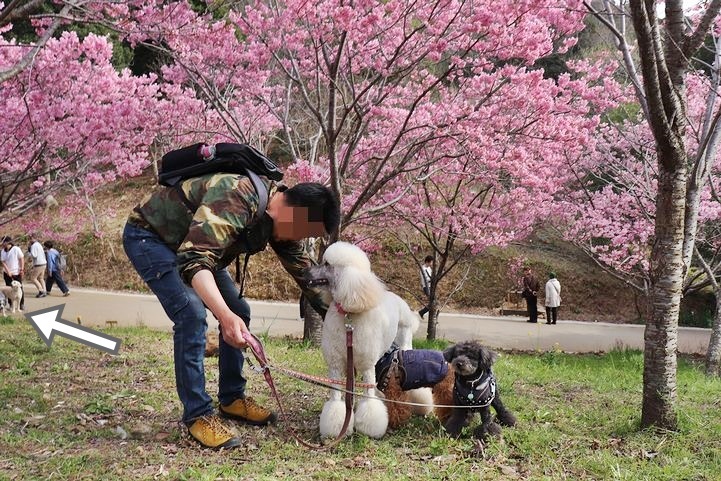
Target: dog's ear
{"type": "Point", "coordinates": [449, 353]}
{"type": "Point", "coordinates": [357, 290]}
{"type": "Point", "coordinates": [488, 357]}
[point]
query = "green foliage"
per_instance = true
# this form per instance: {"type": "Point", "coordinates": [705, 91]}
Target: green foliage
{"type": "Point", "coordinates": [98, 406]}
{"type": "Point", "coordinates": [552, 357]}
{"type": "Point", "coordinates": [22, 30]}
{"type": "Point", "coordinates": [217, 9]}
{"type": "Point", "coordinates": [693, 318]}
{"type": "Point", "coordinates": [622, 113]}
{"type": "Point", "coordinates": [703, 59]}
{"type": "Point", "coordinates": [434, 344]}
{"type": "Point", "coordinates": [698, 307]}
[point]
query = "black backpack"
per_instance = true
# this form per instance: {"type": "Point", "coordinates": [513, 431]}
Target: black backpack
{"type": "Point", "coordinates": [185, 163]}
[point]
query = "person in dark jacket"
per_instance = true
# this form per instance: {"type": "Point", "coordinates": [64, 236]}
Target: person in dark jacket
{"type": "Point", "coordinates": [55, 272]}
{"type": "Point", "coordinates": [183, 256]}
{"type": "Point", "coordinates": [530, 293]}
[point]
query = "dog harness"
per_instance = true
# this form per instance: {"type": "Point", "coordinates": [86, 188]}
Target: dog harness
{"type": "Point", "coordinates": [415, 368]}
{"type": "Point", "coordinates": [479, 392]}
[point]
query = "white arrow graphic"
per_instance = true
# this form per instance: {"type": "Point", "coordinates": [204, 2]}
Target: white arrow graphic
{"type": "Point", "coordinates": [48, 323]}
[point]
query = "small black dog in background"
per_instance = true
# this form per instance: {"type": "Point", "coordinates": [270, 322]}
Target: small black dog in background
{"type": "Point", "coordinates": [473, 390]}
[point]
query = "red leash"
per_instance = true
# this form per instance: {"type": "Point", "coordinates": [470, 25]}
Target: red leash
{"type": "Point", "coordinates": [256, 348]}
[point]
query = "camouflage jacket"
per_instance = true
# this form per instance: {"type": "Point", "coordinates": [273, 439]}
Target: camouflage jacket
{"type": "Point", "coordinates": [225, 224]}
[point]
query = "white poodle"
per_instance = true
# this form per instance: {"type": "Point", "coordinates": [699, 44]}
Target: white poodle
{"type": "Point", "coordinates": [357, 297]}
{"type": "Point", "coordinates": [13, 293]}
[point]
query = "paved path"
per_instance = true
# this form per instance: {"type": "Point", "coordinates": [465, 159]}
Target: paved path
{"type": "Point", "coordinates": [95, 308]}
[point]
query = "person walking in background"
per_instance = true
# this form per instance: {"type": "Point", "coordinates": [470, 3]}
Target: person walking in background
{"type": "Point", "coordinates": [426, 273]}
{"type": "Point", "coordinates": [13, 262]}
{"type": "Point", "coordinates": [553, 298]}
{"type": "Point", "coordinates": [37, 274]}
{"type": "Point", "coordinates": [530, 293]}
{"type": "Point", "coordinates": [55, 273]}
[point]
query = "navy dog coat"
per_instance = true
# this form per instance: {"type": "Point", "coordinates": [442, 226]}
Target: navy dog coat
{"type": "Point", "coordinates": [416, 368]}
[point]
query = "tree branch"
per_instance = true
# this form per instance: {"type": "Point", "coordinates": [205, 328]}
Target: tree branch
{"type": "Point", "coordinates": [694, 41]}
{"type": "Point", "coordinates": [29, 57]}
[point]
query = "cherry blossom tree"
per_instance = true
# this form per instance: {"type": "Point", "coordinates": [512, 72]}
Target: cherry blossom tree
{"type": "Point", "coordinates": [15, 10]}
{"type": "Point", "coordinates": [70, 119]}
{"type": "Point", "coordinates": [491, 185]}
{"type": "Point", "coordinates": [363, 91]}
{"type": "Point", "coordinates": [665, 47]}
{"type": "Point", "coordinates": [611, 212]}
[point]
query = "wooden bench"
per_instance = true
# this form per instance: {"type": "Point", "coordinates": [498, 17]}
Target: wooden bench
{"type": "Point", "coordinates": [515, 305]}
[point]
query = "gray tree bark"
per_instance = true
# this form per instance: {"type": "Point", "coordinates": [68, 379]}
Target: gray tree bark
{"type": "Point", "coordinates": [664, 64]}
{"type": "Point", "coordinates": [431, 331]}
{"type": "Point", "coordinates": [661, 334]}
{"type": "Point", "coordinates": [713, 355]}
{"type": "Point", "coordinates": [665, 109]}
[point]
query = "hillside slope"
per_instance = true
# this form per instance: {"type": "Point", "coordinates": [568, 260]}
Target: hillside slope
{"type": "Point", "coordinates": [588, 293]}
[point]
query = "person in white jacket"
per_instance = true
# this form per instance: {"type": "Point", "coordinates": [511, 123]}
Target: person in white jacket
{"type": "Point", "coordinates": [553, 298]}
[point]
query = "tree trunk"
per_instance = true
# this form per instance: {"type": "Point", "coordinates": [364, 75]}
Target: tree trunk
{"type": "Point", "coordinates": [661, 334]}
{"type": "Point", "coordinates": [432, 320]}
{"type": "Point", "coordinates": [693, 201]}
{"type": "Point", "coordinates": [713, 355]}
{"type": "Point", "coordinates": [312, 324]}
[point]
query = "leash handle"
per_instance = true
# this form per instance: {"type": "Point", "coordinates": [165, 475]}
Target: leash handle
{"type": "Point", "coordinates": [257, 348]}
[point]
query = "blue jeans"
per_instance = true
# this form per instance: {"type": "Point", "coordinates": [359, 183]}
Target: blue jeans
{"type": "Point", "coordinates": [156, 264]}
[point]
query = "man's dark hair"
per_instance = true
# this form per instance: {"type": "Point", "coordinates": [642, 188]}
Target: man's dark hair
{"type": "Point", "coordinates": [322, 204]}
{"type": "Point", "coordinates": [48, 244]}
{"type": "Point", "coordinates": [428, 259]}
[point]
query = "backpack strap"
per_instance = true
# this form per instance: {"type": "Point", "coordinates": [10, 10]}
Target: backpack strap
{"type": "Point", "coordinates": [260, 189]}
{"type": "Point", "coordinates": [241, 280]}
{"type": "Point", "coordinates": [262, 192]}
{"type": "Point", "coordinates": [184, 199]}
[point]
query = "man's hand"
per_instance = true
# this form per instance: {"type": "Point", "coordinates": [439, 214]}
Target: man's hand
{"type": "Point", "coordinates": [232, 328]}
{"type": "Point", "coordinates": [231, 325]}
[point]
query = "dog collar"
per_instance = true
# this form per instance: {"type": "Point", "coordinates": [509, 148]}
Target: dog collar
{"type": "Point", "coordinates": [340, 309]}
{"type": "Point", "coordinates": [479, 392]}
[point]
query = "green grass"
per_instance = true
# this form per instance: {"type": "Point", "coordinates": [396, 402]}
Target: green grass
{"type": "Point", "coordinates": [70, 412]}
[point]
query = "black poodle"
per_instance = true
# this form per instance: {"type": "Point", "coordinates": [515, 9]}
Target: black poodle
{"type": "Point", "coordinates": [473, 390]}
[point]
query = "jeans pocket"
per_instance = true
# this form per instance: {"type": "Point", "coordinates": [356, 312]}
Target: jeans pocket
{"type": "Point", "coordinates": [156, 264]}
{"type": "Point", "coordinates": [169, 288]}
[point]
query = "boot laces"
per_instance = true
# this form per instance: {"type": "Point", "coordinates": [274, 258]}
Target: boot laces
{"type": "Point", "coordinates": [216, 426]}
{"type": "Point", "coordinates": [252, 406]}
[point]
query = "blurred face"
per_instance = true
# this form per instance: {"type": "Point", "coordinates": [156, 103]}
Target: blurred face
{"type": "Point", "coordinates": [291, 223]}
